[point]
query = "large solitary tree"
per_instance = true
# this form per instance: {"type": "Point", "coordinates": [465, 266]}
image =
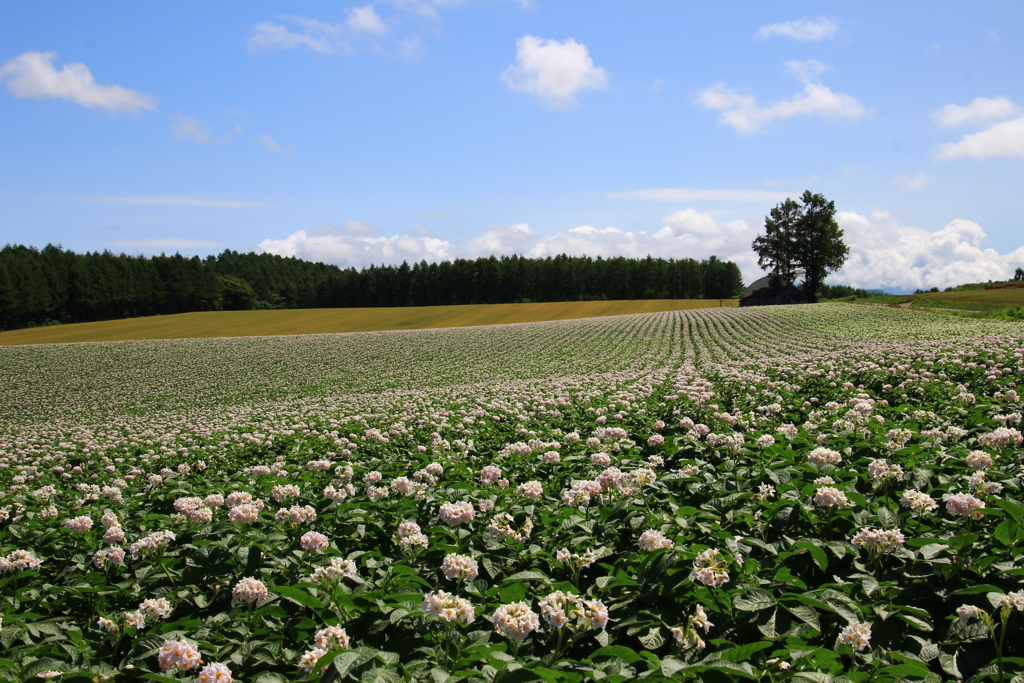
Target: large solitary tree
{"type": "Point", "coordinates": [802, 239]}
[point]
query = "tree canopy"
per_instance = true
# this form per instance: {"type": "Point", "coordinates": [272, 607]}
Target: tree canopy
{"type": "Point", "coordinates": [801, 240]}
{"type": "Point", "coordinates": [52, 285]}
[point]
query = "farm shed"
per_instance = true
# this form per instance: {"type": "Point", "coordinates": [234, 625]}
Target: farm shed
{"type": "Point", "coordinates": [775, 296]}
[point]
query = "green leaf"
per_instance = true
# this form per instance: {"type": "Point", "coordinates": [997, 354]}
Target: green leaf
{"type": "Point", "coordinates": [653, 639]}
{"type": "Point", "coordinates": [948, 664]}
{"type": "Point", "coordinates": [44, 664]}
{"type": "Point", "coordinates": [916, 621]}
{"type": "Point", "coordinates": [806, 614]}
{"type": "Point", "coordinates": [813, 676]}
{"type": "Point", "coordinates": [624, 653]}
{"type": "Point", "coordinates": [931, 550]}
{"type": "Point", "coordinates": [527, 576]}
{"type": "Point", "coordinates": [754, 600]}
{"type": "Point", "coordinates": [670, 666]}
{"type": "Point", "coordinates": [1006, 532]}
{"type": "Point", "coordinates": [512, 592]}
{"type": "Point", "coordinates": [253, 561]}
{"type": "Point", "coordinates": [385, 674]}
{"type": "Point", "coordinates": [298, 595]}
{"type": "Point", "coordinates": [887, 518]}
{"type": "Point", "coordinates": [766, 624]}
{"type": "Point", "coordinates": [817, 554]}
{"type": "Point", "coordinates": [741, 669]}
{"type": "Point", "coordinates": [271, 678]}
{"type": "Point", "coordinates": [346, 660]}
{"type": "Point", "coordinates": [908, 668]}
{"type": "Point", "coordinates": [744, 652]}
{"type": "Point", "coordinates": [1012, 509]}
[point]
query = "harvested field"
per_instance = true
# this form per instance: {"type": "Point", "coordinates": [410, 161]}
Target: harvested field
{"type": "Point", "coordinates": [333, 320]}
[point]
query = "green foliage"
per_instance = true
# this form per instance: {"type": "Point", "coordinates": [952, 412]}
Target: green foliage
{"type": "Point", "coordinates": [54, 284]}
{"type": "Point", "coordinates": [1015, 313]}
{"type": "Point", "coordinates": [904, 402]}
{"type": "Point", "coordinates": [236, 294]}
{"type": "Point", "coordinates": [802, 239]}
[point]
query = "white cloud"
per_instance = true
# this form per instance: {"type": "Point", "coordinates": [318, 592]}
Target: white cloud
{"type": "Point", "coordinates": [808, 70]}
{"type": "Point", "coordinates": [319, 36]}
{"type": "Point", "coordinates": [684, 234]}
{"type": "Point", "coordinates": [682, 194]}
{"type": "Point", "coordinates": [427, 8]}
{"type": "Point", "coordinates": [357, 250]}
{"type": "Point", "coordinates": [689, 222]}
{"type": "Point", "coordinates": [805, 29]}
{"type": "Point", "coordinates": [32, 75]}
{"type": "Point", "coordinates": [365, 20]}
{"type": "Point", "coordinates": [1005, 139]}
{"type": "Point", "coordinates": [192, 129]}
{"type": "Point", "coordinates": [554, 71]}
{"type": "Point", "coordinates": [180, 201]}
{"type": "Point", "coordinates": [913, 183]}
{"type": "Point", "coordinates": [272, 146]}
{"type": "Point", "coordinates": [200, 132]}
{"type": "Point", "coordinates": [746, 116]}
{"type": "Point", "coordinates": [411, 48]}
{"type": "Point", "coordinates": [981, 110]}
{"type": "Point", "coordinates": [884, 254]}
{"type": "Point", "coordinates": [169, 243]}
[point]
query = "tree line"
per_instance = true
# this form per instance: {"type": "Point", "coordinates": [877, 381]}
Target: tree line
{"type": "Point", "coordinates": [53, 285]}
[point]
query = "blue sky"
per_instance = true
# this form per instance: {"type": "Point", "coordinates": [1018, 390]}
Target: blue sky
{"type": "Point", "coordinates": [432, 129]}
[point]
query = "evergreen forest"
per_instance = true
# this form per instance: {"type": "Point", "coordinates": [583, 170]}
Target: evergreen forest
{"type": "Point", "coordinates": [53, 285]}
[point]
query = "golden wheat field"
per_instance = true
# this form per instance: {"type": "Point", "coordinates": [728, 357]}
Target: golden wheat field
{"type": "Point", "coordinates": [330, 320]}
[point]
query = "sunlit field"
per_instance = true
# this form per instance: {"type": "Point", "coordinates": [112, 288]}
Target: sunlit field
{"type": "Point", "coordinates": [333, 320]}
{"type": "Point", "coordinates": [817, 493]}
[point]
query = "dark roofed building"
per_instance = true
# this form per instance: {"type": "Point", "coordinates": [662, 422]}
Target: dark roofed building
{"type": "Point", "coordinates": [774, 296]}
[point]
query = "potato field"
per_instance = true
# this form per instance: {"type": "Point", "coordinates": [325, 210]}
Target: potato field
{"type": "Point", "coordinates": [817, 493]}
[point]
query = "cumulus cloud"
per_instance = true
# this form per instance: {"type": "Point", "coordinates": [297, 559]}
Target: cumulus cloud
{"type": "Point", "coordinates": [885, 254]}
{"type": "Point", "coordinates": [290, 32]}
{"type": "Point", "coordinates": [357, 250]}
{"type": "Point", "coordinates": [689, 222]}
{"type": "Point", "coordinates": [683, 194]}
{"type": "Point", "coordinates": [1004, 139]}
{"type": "Point", "coordinates": [554, 71]}
{"type": "Point", "coordinates": [33, 75]}
{"type": "Point", "coordinates": [365, 20]}
{"type": "Point", "coordinates": [981, 110]}
{"type": "Point", "coordinates": [746, 116]}
{"type": "Point", "coordinates": [272, 146]}
{"type": "Point", "coordinates": [805, 29]}
{"type": "Point", "coordinates": [684, 234]}
{"type": "Point", "coordinates": [913, 183]}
